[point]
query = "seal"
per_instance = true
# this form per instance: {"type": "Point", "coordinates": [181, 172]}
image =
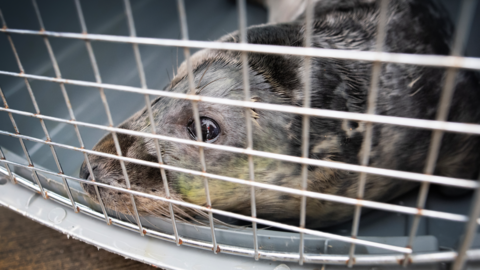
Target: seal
{"type": "Point", "coordinates": [413, 26]}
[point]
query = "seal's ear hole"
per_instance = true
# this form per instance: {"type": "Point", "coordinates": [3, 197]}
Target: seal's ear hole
{"type": "Point", "coordinates": [353, 124]}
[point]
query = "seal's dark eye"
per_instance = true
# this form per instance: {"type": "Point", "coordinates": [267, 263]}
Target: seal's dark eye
{"type": "Point", "coordinates": [210, 130]}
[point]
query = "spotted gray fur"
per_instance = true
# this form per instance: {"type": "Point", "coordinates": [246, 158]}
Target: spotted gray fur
{"type": "Point", "coordinates": [413, 26]}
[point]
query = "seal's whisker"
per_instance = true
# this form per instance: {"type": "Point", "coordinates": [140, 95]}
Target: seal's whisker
{"type": "Point", "coordinates": [190, 216]}
{"type": "Point", "coordinates": [217, 221]}
{"type": "Point", "coordinates": [168, 75]}
{"type": "Point", "coordinates": [233, 37]}
{"type": "Point", "coordinates": [164, 214]}
{"type": "Point", "coordinates": [179, 210]}
{"type": "Point", "coordinates": [129, 212]}
{"type": "Point", "coordinates": [201, 78]}
{"type": "Point", "coordinates": [177, 63]}
{"type": "Point", "coordinates": [148, 221]}
{"type": "Point", "coordinates": [209, 83]}
{"type": "Point", "coordinates": [114, 209]}
{"type": "Point", "coordinates": [111, 201]}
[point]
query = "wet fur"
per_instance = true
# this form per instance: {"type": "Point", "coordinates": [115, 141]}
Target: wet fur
{"type": "Point", "coordinates": [404, 90]}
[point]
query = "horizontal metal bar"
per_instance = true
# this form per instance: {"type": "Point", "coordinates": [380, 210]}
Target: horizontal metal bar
{"type": "Point", "coordinates": [380, 119]}
{"type": "Point", "coordinates": [384, 57]}
{"type": "Point", "coordinates": [442, 180]}
{"type": "Point", "coordinates": [226, 213]}
{"type": "Point", "coordinates": [265, 254]}
{"type": "Point", "coordinates": [315, 195]}
{"type": "Point", "coordinates": [422, 258]}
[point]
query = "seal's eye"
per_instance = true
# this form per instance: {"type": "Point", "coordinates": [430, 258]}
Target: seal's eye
{"type": "Point", "coordinates": [210, 130]}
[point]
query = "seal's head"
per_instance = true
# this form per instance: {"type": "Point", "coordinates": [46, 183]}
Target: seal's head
{"type": "Point", "coordinates": [215, 75]}
{"type": "Point", "coordinates": [273, 79]}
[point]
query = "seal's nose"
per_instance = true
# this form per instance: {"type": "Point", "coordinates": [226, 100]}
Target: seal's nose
{"type": "Point", "coordinates": [84, 172]}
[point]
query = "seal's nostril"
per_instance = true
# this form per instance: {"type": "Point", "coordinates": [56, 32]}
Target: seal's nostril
{"type": "Point", "coordinates": [85, 172]}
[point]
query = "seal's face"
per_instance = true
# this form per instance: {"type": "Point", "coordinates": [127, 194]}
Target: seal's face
{"type": "Point", "coordinates": [221, 125]}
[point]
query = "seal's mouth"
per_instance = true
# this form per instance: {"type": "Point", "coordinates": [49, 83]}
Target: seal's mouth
{"type": "Point", "coordinates": [90, 191]}
{"type": "Point", "coordinates": [85, 174]}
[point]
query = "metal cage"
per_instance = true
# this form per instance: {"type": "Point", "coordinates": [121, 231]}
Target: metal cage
{"type": "Point", "coordinates": [72, 120]}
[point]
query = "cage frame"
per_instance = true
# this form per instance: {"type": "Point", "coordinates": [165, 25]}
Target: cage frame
{"type": "Point", "coordinates": [452, 62]}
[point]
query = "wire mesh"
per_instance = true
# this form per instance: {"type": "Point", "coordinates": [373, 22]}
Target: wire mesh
{"type": "Point", "coordinates": [439, 126]}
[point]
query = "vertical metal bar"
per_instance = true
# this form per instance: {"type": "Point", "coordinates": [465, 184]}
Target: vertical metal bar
{"type": "Point", "coordinates": [470, 231]}
{"type": "Point", "coordinates": [20, 67]}
{"type": "Point", "coordinates": [4, 24]}
{"type": "Point", "coordinates": [2, 157]}
{"type": "Point", "coordinates": [461, 33]}
{"type": "Point", "coordinates": [371, 105]}
{"type": "Point", "coordinates": [32, 96]}
{"type": "Point", "coordinates": [72, 116]}
{"type": "Point", "coordinates": [242, 22]}
{"type": "Point", "coordinates": [196, 116]}
{"type": "Point", "coordinates": [143, 82]}
{"type": "Point", "coordinates": [325, 251]}
{"type": "Point", "coordinates": [306, 121]}
{"type": "Point", "coordinates": [463, 29]}
{"type": "Point", "coordinates": [117, 145]}
{"type": "Point", "coordinates": [98, 80]}
{"type": "Point", "coordinates": [27, 155]}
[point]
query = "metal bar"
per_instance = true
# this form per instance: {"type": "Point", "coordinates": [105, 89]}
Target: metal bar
{"type": "Point", "coordinates": [381, 119]}
{"type": "Point", "coordinates": [230, 214]}
{"type": "Point", "coordinates": [310, 194]}
{"type": "Point", "coordinates": [242, 22]}
{"type": "Point", "coordinates": [20, 67]}
{"type": "Point", "coordinates": [196, 116]}
{"type": "Point", "coordinates": [399, 58]}
{"type": "Point", "coordinates": [24, 148]}
{"type": "Point", "coordinates": [307, 81]}
{"type": "Point", "coordinates": [442, 180]}
{"type": "Point", "coordinates": [436, 138]}
{"type": "Point", "coordinates": [470, 232]}
{"type": "Point", "coordinates": [10, 174]}
{"type": "Point", "coordinates": [371, 106]}
{"type": "Point", "coordinates": [98, 79]}
{"type": "Point", "coordinates": [57, 72]}
{"type": "Point", "coordinates": [66, 98]}
{"type": "Point", "coordinates": [466, 16]}
{"type": "Point", "coordinates": [310, 258]}
{"type": "Point", "coordinates": [391, 259]}
{"type": "Point", "coordinates": [143, 82]}
{"type": "Point", "coordinates": [2, 19]}
{"type": "Point", "coordinates": [42, 123]}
